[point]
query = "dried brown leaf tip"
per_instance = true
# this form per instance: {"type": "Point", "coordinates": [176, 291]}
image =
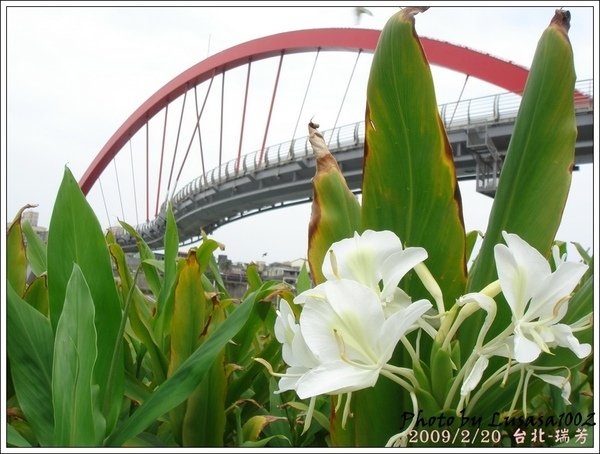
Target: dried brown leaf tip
{"type": "Point", "coordinates": [325, 160]}
{"type": "Point", "coordinates": [562, 20]}
{"type": "Point", "coordinates": [409, 12]}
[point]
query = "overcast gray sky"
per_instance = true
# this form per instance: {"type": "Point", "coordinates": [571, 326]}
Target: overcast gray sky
{"type": "Point", "coordinates": [76, 73]}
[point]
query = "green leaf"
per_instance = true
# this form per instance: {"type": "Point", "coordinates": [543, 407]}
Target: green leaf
{"type": "Point", "coordinates": [318, 417]}
{"type": "Point", "coordinates": [263, 442]}
{"type": "Point", "coordinates": [14, 438]}
{"type": "Point", "coordinates": [75, 236]}
{"type": "Point", "coordinates": [536, 175]}
{"type": "Point", "coordinates": [335, 211]}
{"type": "Point", "coordinates": [37, 294]}
{"type": "Point", "coordinates": [441, 373]}
{"type": "Point", "coordinates": [179, 386]}
{"type": "Point", "coordinates": [164, 308]}
{"type": "Point", "coordinates": [188, 321]}
{"type": "Point", "coordinates": [29, 348]}
{"type": "Point", "coordinates": [152, 276]}
{"type": "Point", "coordinates": [303, 282]}
{"type": "Point", "coordinates": [16, 259]}
{"type": "Point", "coordinates": [139, 317]}
{"type": "Point", "coordinates": [252, 428]}
{"type": "Point", "coordinates": [76, 414]}
{"type": "Point", "coordinates": [204, 421]}
{"type": "Point", "coordinates": [36, 250]}
{"type": "Point", "coordinates": [254, 280]}
{"type": "Point", "coordinates": [471, 240]}
{"type": "Point", "coordinates": [409, 183]}
{"type": "Point", "coordinates": [410, 188]}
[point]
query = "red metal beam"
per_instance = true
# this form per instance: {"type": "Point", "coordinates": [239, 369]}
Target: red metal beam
{"type": "Point", "coordinates": [505, 74]}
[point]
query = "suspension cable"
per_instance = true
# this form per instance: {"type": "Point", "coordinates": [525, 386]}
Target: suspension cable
{"type": "Point", "coordinates": [104, 201]}
{"type": "Point", "coordinates": [196, 128]}
{"type": "Point", "coordinates": [118, 187]}
{"type": "Point", "coordinates": [344, 98]}
{"type": "Point", "coordinates": [237, 162]}
{"type": "Point", "coordinates": [459, 98]}
{"type": "Point", "coordinates": [162, 153]}
{"type": "Point", "coordinates": [137, 219]}
{"type": "Point", "coordinates": [304, 100]}
{"type": "Point", "coordinates": [177, 141]}
{"type": "Point", "coordinates": [262, 148]}
{"type": "Point", "coordinates": [221, 129]}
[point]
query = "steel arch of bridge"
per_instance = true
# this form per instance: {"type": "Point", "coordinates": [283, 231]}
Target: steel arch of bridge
{"type": "Point", "coordinates": [502, 73]}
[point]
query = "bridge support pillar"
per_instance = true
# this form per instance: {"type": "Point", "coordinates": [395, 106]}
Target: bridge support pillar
{"type": "Point", "coordinates": [488, 160]}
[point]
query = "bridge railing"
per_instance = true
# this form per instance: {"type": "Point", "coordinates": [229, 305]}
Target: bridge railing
{"type": "Point", "coordinates": [455, 115]}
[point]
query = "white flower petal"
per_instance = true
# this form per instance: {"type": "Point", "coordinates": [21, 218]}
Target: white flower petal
{"type": "Point", "coordinates": [526, 351]}
{"type": "Point", "coordinates": [395, 267]}
{"type": "Point", "coordinates": [285, 318]}
{"type": "Point", "coordinates": [564, 337]}
{"type": "Point", "coordinates": [511, 280]}
{"type": "Point", "coordinates": [360, 258]}
{"type": "Point", "coordinates": [560, 382]}
{"type": "Point", "coordinates": [396, 326]}
{"type": "Point", "coordinates": [346, 324]}
{"type": "Point", "coordinates": [317, 322]}
{"type": "Point", "coordinates": [474, 376]}
{"type": "Point", "coordinates": [554, 288]}
{"type": "Point", "coordinates": [335, 378]}
{"type": "Point", "coordinates": [290, 380]}
{"type": "Point", "coordinates": [301, 354]}
{"type": "Point", "coordinates": [316, 294]}
{"type": "Point", "coordinates": [399, 300]}
{"type": "Point", "coordinates": [527, 256]}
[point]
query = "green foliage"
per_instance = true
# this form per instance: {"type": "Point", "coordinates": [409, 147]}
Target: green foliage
{"type": "Point", "coordinates": [78, 420]}
{"type": "Point", "coordinates": [177, 362]}
{"type": "Point", "coordinates": [96, 360]}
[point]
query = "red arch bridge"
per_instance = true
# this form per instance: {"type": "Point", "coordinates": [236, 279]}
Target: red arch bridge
{"type": "Point", "coordinates": [201, 140]}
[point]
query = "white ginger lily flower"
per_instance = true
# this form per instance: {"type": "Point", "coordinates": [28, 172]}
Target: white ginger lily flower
{"type": "Point", "coordinates": [294, 350]}
{"type": "Point", "coordinates": [347, 335]}
{"type": "Point", "coordinates": [538, 298]}
{"type": "Point", "coordinates": [371, 258]}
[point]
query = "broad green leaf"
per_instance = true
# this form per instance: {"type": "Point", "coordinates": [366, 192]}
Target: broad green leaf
{"type": "Point", "coordinates": [75, 410]}
{"type": "Point", "coordinates": [37, 294]}
{"type": "Point", "coordinates": [75, 236]}
{"type": "Point", "coordinates": [409, 183]}
{"type": "Point", "coordinates": [152, 276]}
{"type": "Point", "coordinates": [263, 442]}
{"type": "Point", "coordinates": [282, 427]}
{"type": "Point", "coordinates": [204, 418]}
{"type": "Point", "coordinates": [536, 175]}
{"type": "Point", "coordinates": [14, 438]}
{"type": "Point", "coordinates": [139, 318]}
{"type": "Point", "coordinates": [471, 240]}
{"type": "Point", "coordinates": [164, 309]}
{"type": "Point", "coordinates": [335, 211]}
{"type": "Point", "coordinates": [318, 417]}
{"type": "Point", "coordinates": [204, 421]}
{"type": "Point", "coordinates": [410, 188]}
{"type": "Point", "coordinates": [16, 259]}
{"type": "Point", "coordinates": [303, 282]}
{"type": "Point", "coordinates": [36, 250]}
{"type": "Point", "coordinates": [29, 343]}
{"type": "Point", "coordinates": [254, 280]}
{"type": "Point", "coordinates": [187, 323]}
{"type": "Point", "coordinates": [441, 373]}
{"type": "Point", "coordinates": [178, 387]}
{"type": "Point", "coordinates": [252, 428]}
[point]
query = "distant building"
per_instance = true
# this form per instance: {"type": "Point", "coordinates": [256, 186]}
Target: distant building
{"type": "Point", "coordinates": [32, 217]}
{"type": "Point", "coordinates": [284, 272]}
